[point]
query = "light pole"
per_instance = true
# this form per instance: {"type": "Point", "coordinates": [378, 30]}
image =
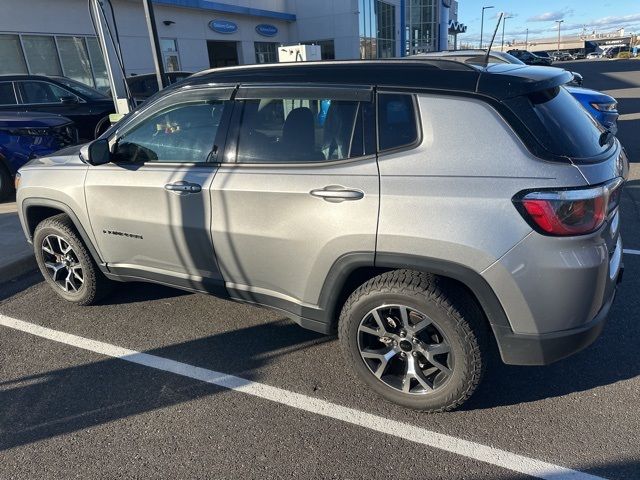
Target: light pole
{"type": "Point", "coordinates": [504, 21]}
{"type": "Point", "coordinates": [482, 25]}
{"type": "Point", "coordinates": [559, 22]}
{"type": "Point", "coordinates": [526, 43]}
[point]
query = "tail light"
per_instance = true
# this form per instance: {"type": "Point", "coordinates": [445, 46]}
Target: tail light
{"type": "Point", "coordinates": [569, 212]}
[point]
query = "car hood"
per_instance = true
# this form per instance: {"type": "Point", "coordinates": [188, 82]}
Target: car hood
{"type": "Point", "coordinates": [593, 95]}
{"type": "Point", "coordinates": [69, 156]}
{"type": "Point", "coordinates": [31, 120]}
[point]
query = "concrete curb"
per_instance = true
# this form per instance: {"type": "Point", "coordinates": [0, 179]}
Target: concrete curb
{"type": "Point", "coordinates": [15, 268]}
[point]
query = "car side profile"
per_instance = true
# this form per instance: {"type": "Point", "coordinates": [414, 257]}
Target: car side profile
{"type": "Point", "coordinates": [357, 197]}
{"type": "Point", "coordinates": [86, 107]}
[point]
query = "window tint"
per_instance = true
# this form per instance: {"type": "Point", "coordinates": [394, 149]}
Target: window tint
{"type": "Point", "coordinates": [396, 121]}
{"type": "Point", "coordinates": [43, 92]}
{"type": "Point", "coordinates": [297, 130]}
{"type": "Point", "coordinates": [569, 129]}
{"type": "Point", "coordinates": [7, 95]}
{"type": "Point", "coordinates": [180, 133]}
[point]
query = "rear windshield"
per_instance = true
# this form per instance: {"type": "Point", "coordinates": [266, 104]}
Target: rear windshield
{"type": "Point", "coordinates": [570, 130]}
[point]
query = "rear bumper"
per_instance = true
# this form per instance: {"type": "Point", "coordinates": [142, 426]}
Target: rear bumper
{"type": "Point", "coordinates": [543, 349]}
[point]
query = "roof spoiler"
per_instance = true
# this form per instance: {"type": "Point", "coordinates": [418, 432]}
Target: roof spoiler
{"type": "Point", "coordinates": [509, 83]}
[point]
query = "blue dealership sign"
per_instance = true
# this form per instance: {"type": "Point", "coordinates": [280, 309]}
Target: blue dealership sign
{"type": "Point", "coordinates": [267, 30]}
{"type": "Point", "coordinates": [223, 26]}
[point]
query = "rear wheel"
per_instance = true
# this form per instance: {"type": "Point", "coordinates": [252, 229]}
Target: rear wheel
{"type": "Point", "coordinates": [66, 264]}
{"type": "Point", "coordinates": [408, 341]}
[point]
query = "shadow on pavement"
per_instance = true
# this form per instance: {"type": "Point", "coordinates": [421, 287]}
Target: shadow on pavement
{"type": "Point", "coordinates": [60, 401]}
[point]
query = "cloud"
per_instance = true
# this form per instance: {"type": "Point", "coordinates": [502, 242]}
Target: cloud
{"type": "Point", "coordinates": [551, 16]}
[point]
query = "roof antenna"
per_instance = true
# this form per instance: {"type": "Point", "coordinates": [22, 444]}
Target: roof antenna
{"type": "Point", "coordinates": [486, 58]}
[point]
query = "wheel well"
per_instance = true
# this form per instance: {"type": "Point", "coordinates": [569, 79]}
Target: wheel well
{"type": "Point", "coordinates": [458, 290]}
{"type": "Point", "coordinates": [36, 214]}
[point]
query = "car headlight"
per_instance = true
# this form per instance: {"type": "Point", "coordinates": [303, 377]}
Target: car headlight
{"type": "Point", "coordinates": [605, 107]}
{"type": "Point", "coordinates": [16, 180]}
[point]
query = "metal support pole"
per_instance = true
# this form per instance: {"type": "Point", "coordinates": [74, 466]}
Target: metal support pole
{"type": "Point", "coordinates": [559, 22]}
{"type": "Point", "coordinates": [155, 43]}
{"type": "Point", "coordinates": [482, 25]}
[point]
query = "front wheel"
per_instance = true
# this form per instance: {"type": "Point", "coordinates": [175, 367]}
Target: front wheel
{"type": "Point", "coordinates": [65, 262]}
{"type": "Point", "coordinates": [408, 341]}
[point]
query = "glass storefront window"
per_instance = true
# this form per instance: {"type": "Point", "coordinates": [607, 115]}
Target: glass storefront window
{"type": "Point", "coordinates": [421, 26]}
{"type": "Point", "coordinates": [11, 55]}
{"type": "Point", "coordinates": [41, 54]}
{"type": "Point", "coordinates": [377, 23]}
{"type": "Point", "coordinates": [75, 59]}
{"type": "Point", "coordinates": [266, 52]}
{"type": "Point", "coordinates": [169, 48]}
{"type": "Point", "coordinates": [97, 63]}
{"type": "Point", "coordinates": [327, 48]}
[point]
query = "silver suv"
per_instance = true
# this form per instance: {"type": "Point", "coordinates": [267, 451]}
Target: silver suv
{"type": "Point", "coordinates": [428, 210]}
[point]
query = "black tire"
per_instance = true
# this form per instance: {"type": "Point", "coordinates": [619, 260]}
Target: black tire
{"type": "Point", "coordinates": [461, 326]}
{"type": "Point", "coordinates": [101, 126]}
{"type": "Point", "coordinates": [93, 286]}
{"type": "Point", "coordinates": [6, 183]}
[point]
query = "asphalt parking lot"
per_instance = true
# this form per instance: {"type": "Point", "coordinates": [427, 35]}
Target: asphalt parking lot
{"type": "Point", "coordinates": [159, 383]}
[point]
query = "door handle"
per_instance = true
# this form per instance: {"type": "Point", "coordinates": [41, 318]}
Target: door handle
{"type": "Point", "coordinates": [337, 193]}
{"type": "Point", "coordinates": [183, 188]}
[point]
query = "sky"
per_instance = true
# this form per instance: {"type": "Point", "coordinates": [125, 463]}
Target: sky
{"type": "Point", "coordinates": [539, 17]}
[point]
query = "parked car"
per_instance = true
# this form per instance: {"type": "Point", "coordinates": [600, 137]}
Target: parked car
{"type": "Point", "coordinates": [579, 56]}
{"type": "Point", "coordinates": [24, 136]}
{"type": "Point", "coordinates": [542, 54]}
{"type": "Point", "coordinates": [144, 86]}
{"type": "Point", "coordinates": [421, 238]}
{"type": "Point", "coordinates": [602, 107]}
{"type": "Point", "coordinates": [562, 56]}
{"type": "Point", "coordinates": [593, 55]}
{"type": "Point", "coordinates": [530, 58]}
{"type": "Point", "coordinates": [478, 57]}
{"type": "Point", "coordinates": [86, 107]}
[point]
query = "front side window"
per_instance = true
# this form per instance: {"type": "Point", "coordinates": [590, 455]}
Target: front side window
{"type": "Point", "coordinates": [182, 133]}
{"type": "Point", "coordinates": [43, 92]}
{"type": "Point", "coordinates": [7, 95]}
{"type": "Point", "coordinates": [397, 125]}
{"type": "Point", "coordinates": [298, 130]}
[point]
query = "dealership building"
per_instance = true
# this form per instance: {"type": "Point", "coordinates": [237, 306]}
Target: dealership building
{"type": "Point", "coordinates": [57, 37]}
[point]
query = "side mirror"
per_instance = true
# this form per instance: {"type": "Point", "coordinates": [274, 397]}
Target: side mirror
{"type": "Point", "coordinates": [96, 152]}
{"type": "Point", "coordinates": [68, 99]}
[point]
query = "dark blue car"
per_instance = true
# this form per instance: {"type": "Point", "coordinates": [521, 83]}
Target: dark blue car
{"type": "Point", "coordinates": [602, 107]}
{"type": "Point", "coordinates": [24, 136]}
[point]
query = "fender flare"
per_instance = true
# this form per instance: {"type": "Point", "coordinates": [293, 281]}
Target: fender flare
{"type": "Point", "coordinates": [29, 203]}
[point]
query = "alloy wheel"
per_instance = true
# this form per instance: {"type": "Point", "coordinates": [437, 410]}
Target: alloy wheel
{"type": "Point", "coordinates": [62, 263]}
{"type": "Point", "coordinates": [405, 349]}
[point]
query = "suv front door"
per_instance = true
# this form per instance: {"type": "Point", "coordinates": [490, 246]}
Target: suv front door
{"type": "Point", "coordinates": [150, 209]}
{"type": "Point", "coordinates": [299, 191]}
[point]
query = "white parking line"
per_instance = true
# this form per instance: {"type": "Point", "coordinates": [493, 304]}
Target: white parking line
{"type": "Point", "coordinates": [630, 251]}
{"type": "Point", "coordinates": [465, 448]}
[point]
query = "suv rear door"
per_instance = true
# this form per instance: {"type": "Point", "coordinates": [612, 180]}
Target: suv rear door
{"type": "Point", "coordinates": [150, 208]}
{"type": "Point", "coordinates": [298, 190]}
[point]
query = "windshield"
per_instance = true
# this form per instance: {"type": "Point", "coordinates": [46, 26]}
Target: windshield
{"type": "Point", "coordinates": [80, 88]}
{"type": "Point", "coordinates": [571, 131]}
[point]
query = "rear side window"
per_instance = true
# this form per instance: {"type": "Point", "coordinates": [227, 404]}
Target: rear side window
{"type": "Point", "coordinates": [396, 121]}
{"type": "Point", "coordinates": [293, 130]}
{"type": "Point", "coordinates": [569, 128]}
{"type": "Point", "coordinates": [7, 95]}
